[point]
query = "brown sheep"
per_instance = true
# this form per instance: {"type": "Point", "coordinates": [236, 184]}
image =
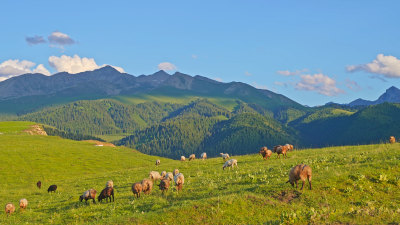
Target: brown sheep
{"type": "Point", "coordinates": [147, 185]}
{"type": "Point", "coordinates": [265, 152]}
{"type": "Point", "coordinates": [179, 181]}
{"type": "Point", "coordinates": [137, 188]}
{"type": "Point", "coordinates": [23, 203]}
{"type": "Point", "coordinates": [164, 185]}
{"type": "Point", "coordinates": [192, 157]}
{"type": "Point", "coordinates": [300, 172]}
{"type": "Point", "coordinates": [158, 162]}
{"type": "Point", "coordinates": [392, 139]}
{"type": "Point", "coordinates": [89, 194]}
{"type": "Point", "coordinates": [106, 193]}
{"type": "Point", "coordinates": [279, 149]}
{"type": "Point", "coordinates": [10, 208]}
{"type": "Point", "coordinates": [289, 147]}
{"type": "Point", "coordinates": [39, 184]}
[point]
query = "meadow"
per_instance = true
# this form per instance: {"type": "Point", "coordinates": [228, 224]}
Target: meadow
{"type": "Point", "coordinates": [351, 185]}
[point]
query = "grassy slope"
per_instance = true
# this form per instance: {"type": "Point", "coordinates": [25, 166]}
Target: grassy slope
{"type": "Point", "coordinates": [352, 184]}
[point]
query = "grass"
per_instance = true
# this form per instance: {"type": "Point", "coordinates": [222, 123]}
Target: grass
{"type": "Point", "coordinates": [351, 184]}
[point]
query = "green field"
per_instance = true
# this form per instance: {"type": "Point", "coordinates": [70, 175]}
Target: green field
{"type": "Point", "coordinates": [351, 185]}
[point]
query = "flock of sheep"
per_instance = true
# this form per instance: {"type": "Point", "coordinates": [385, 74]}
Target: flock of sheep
{"type": "Point", "coordinates": [298, 172]}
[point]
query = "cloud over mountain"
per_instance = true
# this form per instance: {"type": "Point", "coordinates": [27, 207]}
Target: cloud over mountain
{"type": "Point", "coordinates": [15, 67]}
{"type": "Point", "coordinates": [319, 83]}
{"type": "Point", "coordinates": [166, 66]}
{"type": "Point", "coordinates": [388, 66]}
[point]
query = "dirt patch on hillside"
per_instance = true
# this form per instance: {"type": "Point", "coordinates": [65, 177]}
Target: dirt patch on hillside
{"type": "Point", "coordinates": [287, 196]}
{"type": "Point", "coordinates": [100, 143]}
{"type": "Point", "coordinates": [35, 130]}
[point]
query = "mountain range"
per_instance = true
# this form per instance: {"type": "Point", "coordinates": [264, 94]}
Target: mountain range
{"type": "Point", "coordinates": [178, 114]}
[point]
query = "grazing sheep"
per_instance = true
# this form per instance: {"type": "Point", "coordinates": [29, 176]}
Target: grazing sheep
{"type": "Point", "coordinates": [10, 208]}
{"type": "Point", "coordinates": [230, 163]}
{"type": "Point", "coordinates": [39, 184]}
{"type": "Point", "coordinates": [300, 172]}
{"type": "Point", "coordinates": [179, 180]}
{"type": "Point", "coordinates": [203, 156]}
{"type": "Point", "coordinates": [89, 194]}
{"type": "Point", "coordinates": [137, 188]}
{"type": "Point", "coordinates": [265, 152]}
{"type": "Point", "coordinates": [147, 185]}
{"type": "Point", "coordinates": [106, 193]}
{"type": "Point", "coordinates": [192, 157]}
{"type": "Point", "coordinates": [163, 173]}
{"type": "Point", "coordinates": [52, 188]}
{"type": "Point", "coordinates": [154, 175]}
{"type": "Point", "coordinates": [164, 185]}
{"type": "Point", "coordinates": [23, 203]}
{"type": "Point", "coordinates": [279, 149]}
{"type": "Point", "coordinates": [169, 176]}
{"type": "Point", "coordinates": [289, 147]}
{"type": "Point", "coordinates": [183, 158]}
{"type": "Point", "coordinates": [176, 171]}
{"type": "Point", "coordinates": [224, 156]}
{"type": "Point", "coordinates": [158, 162]}
{"type": "Point", "coordinates": [392, 140]}
{"type": "Point", "coordinates": [110, 183]}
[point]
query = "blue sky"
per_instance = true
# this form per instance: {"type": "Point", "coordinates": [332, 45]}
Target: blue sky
{"type": "Point", "coordinates": [310, 51]}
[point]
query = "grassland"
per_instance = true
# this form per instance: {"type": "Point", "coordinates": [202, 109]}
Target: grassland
{"type": "Point", "coordinates": [351, 184]}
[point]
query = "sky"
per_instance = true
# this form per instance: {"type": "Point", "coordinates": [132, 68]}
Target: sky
{"type": "Point", "coordinates": [313, 52]}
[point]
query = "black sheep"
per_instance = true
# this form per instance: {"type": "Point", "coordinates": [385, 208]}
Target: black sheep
{"type": "Point", "coordinates": [52, 188]}
{"type": "Point", "coordinates": [106, 193]}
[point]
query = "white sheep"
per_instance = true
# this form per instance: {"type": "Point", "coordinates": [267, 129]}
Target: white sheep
{"type": "Point", "coordinates": [175, 172]}
{"type": "Point", "coordinates": [192, 157]}
{"type": "Point", "coordinates": [230, 163]}
{"type": "Point", "coordinates": [154, 175]}
{"type": "Point", "coordinates": [203, 156]}
{"type": "Point", "coordinates": [10, 208]}
{"type": "Point", "coordinates": [179, 180]}
{"type": "Point", "coordinates": [23, 203]}
{"type": "Point", "coordinates": [169, 176]}
{"type": "Point", "coordinates": [183, 158]}
{"type": "Point", "coordinates": [163, 173]}
{"type": "Point", "coordinates": [158, 162]}
{"type": "Point", "coordinates": [224, 156]}
{"type": "Point", "coordinates": [110, 183]}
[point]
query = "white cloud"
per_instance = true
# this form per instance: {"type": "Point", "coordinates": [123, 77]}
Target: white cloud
{"type": "Point", "coordinates": [351, 84]}
{"type": "Point", "coordinates": [15, 67]}
{"type": "Point", "coordinates": [35, 40]}
{"type": "Point", "coordinates": [320, 83]}
{"type": "Point", "coordinates": [388, 66]}
{"type": "Point", "coordinates": [291, 73]}
{"type": "Point", "coordinates": [75, 64]}
{"type": "Point", "coordinates": [166, 66]}
{"type": "Point", "coordinates": [58, 39]}
{"type": "Point", "coordinates": [194, 56]}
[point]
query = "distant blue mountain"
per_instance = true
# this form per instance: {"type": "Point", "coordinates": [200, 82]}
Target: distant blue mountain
{"type": "Point", "coordinates": [392, 95]}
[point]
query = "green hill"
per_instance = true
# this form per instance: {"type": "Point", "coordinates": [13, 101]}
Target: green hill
{"type": "Point", "coordinates": [351, 185]}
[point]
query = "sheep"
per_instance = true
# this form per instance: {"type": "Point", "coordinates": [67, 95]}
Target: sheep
{"type": "Point", "coordinates": [110, 183]}
{"type": "Point", "coordinates": [154, 175]}
{"type": "Point", "coordinates": [203, 156]}
{"type": "Point", "coordinates": [106, 193]}
{"type": "Point", "coordinates": [23, 203]}
{"type": "Point", "coordinates": [39, 184]}
{"type": "Point", "coordinates": [192, 157]}
{"type": "Point", "coordinates": [176, 171]}
{"type": "Point", "coordinates": [10, 208]}
{"type": "Point", "coordinates": [265, 152]}
{"type": "Point", "coordinates": [164, 185]}
{"type": "Point", "coordinates": [301, 171]}
{"type": "Point", "coordinates": [89, 194]}
{"type": "Point", "coordinates": [179, 180]}
{"type": "Point", "coordinates": [163, 173]}
{"type": "Point", "coordinates": [52, 188]}
{"type": "Point", "coordinates": [279, 149]}
{"type": "Point", "coordinates": [289, 147]}
{"type": "Point", "coordinates": [230, 163]}
{"type": "Point", "coordinates": [224, 156]}
{"type": "Point", "coordinates": [147, 185]}
{"type": "Point", "coordinates": [158, 162]}
{"type": "Point", "coordinates": [137, 188]}
{"type": "Point", "coordinates": [169, 176]}
{"type": "Point", "coordinates": [183, 158]}
{"type": "Point", "coordinates": [392, 140]}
